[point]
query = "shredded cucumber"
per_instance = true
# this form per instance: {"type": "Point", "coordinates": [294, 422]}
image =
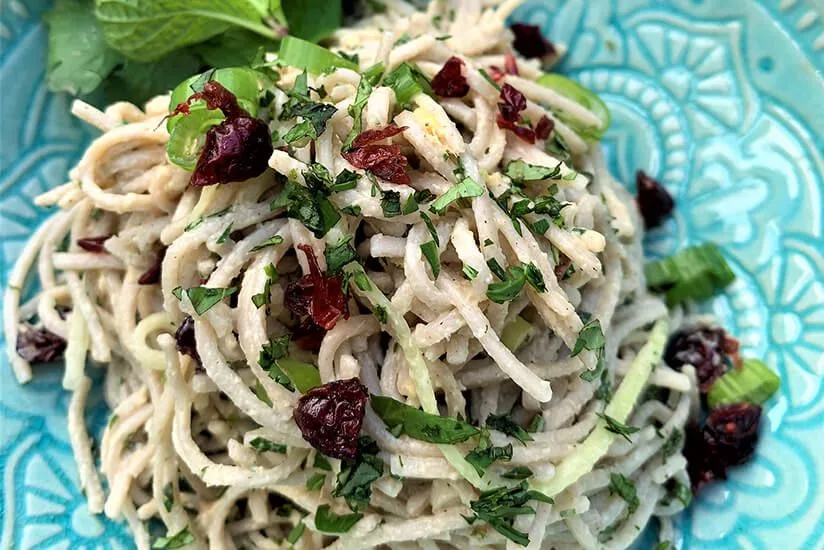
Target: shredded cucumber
{"type": "Point", "coordinates": [417, 366]}
{"type": "Point", "coordinates": [597, 443]}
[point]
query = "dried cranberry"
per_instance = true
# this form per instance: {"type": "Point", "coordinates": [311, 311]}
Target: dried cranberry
{"type": "Point", "coordinates": [298, 296]}
{"type": "Point", "coordinates": [530, 43]}
{"type": "Point", "coordinates": [728, 438]}
{"type": "Point", "coordinates": [496, 73]}
{"type": "Point", "coordinates": [511, 64]}
{"type": "Point", "coordinates": [512, 103]}
{"type": "Point", "coordinates": [237, 149]}
{"type": "Point", "coordinates": [309, 336]}
{"type": "Point", "coordinates": [705, 349]}
{"type": "Point", "coordinates": [218, 97]}
{"type": "Point", "coordinates": [450, 80]}
{"type": "Point", "coordinates": [522, 132]}
{"type": "Point", "coordinates": [654, 202]}
{"type": "Point", "coordinates": [93, 244]}
{"type": "Point", "coordinates": [370, 137]}
{"type": "Point", "coordinates": [330, 417]}
{"type": "Point", "coordinates": [152, 275]}
{"type": "Point", "coordinates": [385, 161]}
{"type": "Point", "coordinates": [185, 339]}
{"type": "Point", "coordinates": [40, 345]}
{"type": "Point", "coordinates": [544, 127]}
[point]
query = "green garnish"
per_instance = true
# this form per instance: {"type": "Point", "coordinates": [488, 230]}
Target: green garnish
{"type": "Point", "coordinates": [178, 540]}
{"type": "Point", "coordinates": [354, 482]}
{"type": "Point", "coordinates": [499, 508]}
{"type": "Point", "coordinates": [433, 257]}
{"type": "Point", "coordinates": [407, 81]}
{"type": "Point", "coordinates": [315, 483]}
{"type": "Point", "coordinates": [329, 522]}
{"type": "Point", "coordinates": [272, 241]}
{"type": "Point", "coordinates": [591, 337]}
{"type": "Point", "coordinates": [204, 298]}
{"type": "Point", "coordinates": [340, 254]}
{"type": "Point", "coordinates": [420, 425]}
{"type": "Point", "coordinates": [504, 424]}
{"type": "Point", "coordinates": [295, 533]}
{"type": "Point", "coordinates": [521, 172]}
{"type": "Point", "coordinates": [697, 273]}
{"type": "Point", "coordinates": [618, 428]}
{"type": "Point", "coordinates": [754, 382]}
{"type": "Point", "coordinates": [464, 189]}
{"type": "Point", "coordinates": [315, 59]}
{"type": "Point", "coordinates": [356, 111]}
{"type": "Point", "coordinates": [590, 101]}
{"type": "Point", "coordinates": [624, 488]}
{"type": "Point", "coordinates": [272, 277]}
{"type": "Point", "coordinates": [391, 203]}
{"type": "Point", "coordinates": [311, 208]}
{"type": "Point", "coordinates": [519, 472]}
{"type": "Point", "coordinates": [483, 456]}
{"type": "Point", "coordinates": [516, 333]}
{"type": "Point", "coordinates": [263, 445]}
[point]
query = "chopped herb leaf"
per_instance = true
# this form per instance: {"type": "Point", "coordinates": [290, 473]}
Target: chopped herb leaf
{"type": "Point", "coordinates": [321, 463]}
{"type": "Point", "coordinates": [311, 208]}
{"type": "Point", "coordinates": [351, 210]}
{"type": "Point", "coordinates": [618, 428]}
{"type": "Point", "coordinates": [499, 508]}
{"type": "Point", "coordinates": [433, 257]}
{"type": "Point", "coordinates": [521, 172]}
{"type": "Point", "coordinates": [482, 458]}
{"type": "Point", "coordinates": [520, 472]}
{"type": "Point", "coordinates": [469, 272]}
{"type": "Point", "coordinates": [465, 189]}
{"type": "Point", "coordinates": [295, 533]}
{"type": "Point", "coordinates": [356, 476]}
{"type": "Point", "coordinates": [391, 203]}
{"type": "Point", "coordinates": [624, 488]}
{"type": "Point", "coordinates": [340, 254]}
{"type": "Point", "coordinates": [534, 277]}
{"type": "Point", "coordinates": [345, 181]}
{"type": "Point", "coordinates": [263, 445]}
{"type": "Point", "coordinates": [504, 424]}
{"type": "Point", "coordinates": [168, 497]}
{"type": "Point", "coordinates": [204, 298]}
{"type": "Point", "coordinates": [509, 288]}
{"type": "Point", "coordinates": [381, 314]}
{"type": "Point", "coordinates": [672, 444]}
{"type": "Point", "coordinates": [431, 227]}
{"type": "Point", "coordinates": [178, 540]}
{"type": "Point", "coordinates": [356, 111]}
{"type": "Point", "coordinates": [329, 522]}
{"type": "Point", "coordinates": [536, 425]}
{"type": "Point", "coordinates": [272, 241]}
{"type": "Point", "coordinates": [418, 424]}
{"type": "Point", "coordinates": [225, 235]}
{"type": "Point", "coordinates": [315, 483]}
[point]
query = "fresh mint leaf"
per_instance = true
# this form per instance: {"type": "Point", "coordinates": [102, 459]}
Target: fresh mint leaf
{"type": "Point", "coordinates": [204, 298]}
{"type": "Point", "coordinates": [590, 337]}
{"type": "Point", "coordinates": [354, 482]}
{"type": "Point", "coordinates": [618, 428]}
{"type": "Point", "coordinates": [465, 189]}
{"type": "Point", "coordinates": [236, 47]}
{"type": "Point", "coordinates": [340, 254]}
{"type": "Point", "coordinates": [521, 172]}
{"type": "Point", "coordinates": [356, 111]}
{"type": "Point", "coordinates": [78, 56]}
{"type": "Point", "coordinates": [345, 181]}
{"type": "Point", "coordinates": [312, 20]}
{"type": "Point", "coordinates": [482, 458]}
{"type": "Point", "coordinates": [391, 203]}
{"type": "Point", "coordinates": [509, 288]}
{"type": "Point", "coordinates": [500, 507]}
{"type": "Point", "coordinates": [315, 483]}
{"type": "Point", "coordinates": [146, 30]}
{"type": "Point", "coordinates": [311, 208]}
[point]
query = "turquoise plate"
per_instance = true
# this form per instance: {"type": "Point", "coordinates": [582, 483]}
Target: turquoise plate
{"type": "Point", "coordinates": [720, 99]}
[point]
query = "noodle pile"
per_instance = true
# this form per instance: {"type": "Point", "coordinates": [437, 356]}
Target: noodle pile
{"type": "Point", "coordinates": [178, 448]}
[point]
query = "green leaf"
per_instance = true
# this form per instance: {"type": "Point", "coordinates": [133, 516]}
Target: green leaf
{"type": "Point", "coordinates": [590, 337]}
{"type": "Point", "coordinates": [204, 298]}
{"type": "Point", "coordinates": [672, 444]}
{"type": "Point", "coordinates": [329, 522]}
{"type": "Point", "coordinates": [312, 20]}
{"type": "Point", "coordinates": [272, 276]}
{"type": "Point", "coordinates": [340, 254]}
{"type": "Point", "coordinates": [345, 181]}
{"type": "Point", "coordinates": [271, 352]}
{"type": "Point", "coordinates": [536, 425]}
{"type": "Point", "coordinates": [469, 272]}
{"type": "Point", "coordinates": [315, 483]}
{"type": "Point", "coordinates": [681, 492]}
{"type": "Point", "coordinates": [78, 57]}
{"type": "Point", "coordinates": [391, 203]}
{"type": "Point", "coordinates": [295, 533]}
{"type": "Point", "coordinates": [534, 277]}
{"type": "Point", "coordinates": [482, 458]}
{"type": "Point", "coordinates": [178, 540]}
{"type": "Point", "coordinates": [418, 424]}
{"type": "Point", "coordinates": [381, 314]}
{"type": "Point", "coordinates": [618, 428]}
{"type": "Point", "coordinates": [508, 289]}
{"type": "Point", "coordinates": [168, 497]}
{"type": "Point", "coordinates": [272, 241]}
{"type": "Point", "coordinates": [321, 463]}
{"type": "Point", "coordinates": [500, 507]}
{"type": "Point", "coordinates": [624, 488]}
{"type": "Point", "coordinates": [315, 116]}
{"type": "Point", "coordinates": [234, 48]}
{"type": "Point", "coordinates": [465, 189]}
{"type": "Point", "coordinates": [516, 333]}
{"type": "Point", "coordinates": [225, 235]}
{"type": "Point", "coordinates": [433, 257]}
{"type": "Point", "coordinates": [519, 473]}
{"type": "Point", "coordinates": [521, 172]}
{"type": "Point", "coordinates": [752, 382]}
{"type": "Point", "coordinates": [585, 98]}
{"type": "Point", "coordinates": [431, 227]}
{"type": "Point", "coordinates": [504, 424]}
{"type": "Point", "coordinates": [146, 30]}
{"type": "Point", "coordinates": [356, 111]}
{"type": "Point", "coordinates": [407, 81]}
{"type": "Point", "coordinates": [356, 476]}
{"type": "Point", "coordinates": [263, 445]}
{"type": "Point", "coordinates": [311, 208]}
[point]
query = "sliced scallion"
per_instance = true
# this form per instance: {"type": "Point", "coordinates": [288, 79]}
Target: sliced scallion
{"type": "Point", "coordinates": [697, 273]}
{"type": "Point", "coordinates": [315, 59]}
{"type": "Point", "coordinates": [754, 383]}
{"type": "Point", "coordinates": [587, 99]}
{"type": "Point", "coordinates": [407, 82]}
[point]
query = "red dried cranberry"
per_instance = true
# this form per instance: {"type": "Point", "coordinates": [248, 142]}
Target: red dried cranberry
{"type": "Point", "coordinates": [317, 295]}
{"type": "Point", "coordinates": [728, 438]}
{"type": "Point", "coordinates": [152, 275]}
{"type": "Point", "coordinates": [450, 81]}
{"type": "Point", "coordinates": [522, 132]}
{"type": "Point", "coordinates": [185, 339]}
{"type": "Point", "coordinates": [369, 137]}
{"type": "Point", "coordinates": [512, 103]}
{"type": "Point", "coordinates": [93, 244]}
{"type": "Point", "coordinates": [530, 43]}
{"type": "Point", "coordinates": [385, 161]}
{"type": "Point", "coordinates": [237, 149]}
{"type": "Point", "coordinates": [309, 336]}
{"type": "Point", "coordinates": [330, 417]}
{"type": "Point", "coordinates": [511, 64]}
{"type": "Point", "coordinates": [39, 345]}
{"type": "Point", "coordinates": [298, 296]}
{"type": "Point", "coordinates": [703, 348]}
{"type": "Point", "coordinates": [654, 202]}
{"type": "Point", "coordinates": [496, 73]}
{"type": "Point", "coordinates": [544, 127]}
{"type": "Point", "coordinates": [218, 97]}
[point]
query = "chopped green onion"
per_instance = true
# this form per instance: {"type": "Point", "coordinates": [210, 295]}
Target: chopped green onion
{"type": "Point", "coordinates": [188, 136]}
{"type": "Point", "coordinates": [299, 53]}
{"type": "Point", "coordinates": [330, 522]}
{"type": "Point", "coordinates": [516, 333]}
{"type": "Point", "coordinates": [697, 273]}
{"type": "Point", "coordinates": [407, 82]}
{"type": "Point", "coordinates": [587, 99]}
{"type": "Point", "coordinates": [433, 257]}
{"type": "Point", "coordinates": [245, 83]}
{"type": "Point", "coordinates": [754, 382]}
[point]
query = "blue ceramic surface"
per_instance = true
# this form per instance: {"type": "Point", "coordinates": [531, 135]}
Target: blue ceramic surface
{"type": "Point", "coordinates": [720, 99]}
